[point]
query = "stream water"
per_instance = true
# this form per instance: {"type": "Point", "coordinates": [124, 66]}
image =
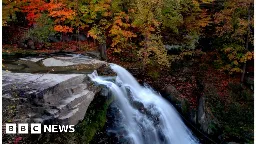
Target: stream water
{"type": "Point", "coordinates": [142, 115]}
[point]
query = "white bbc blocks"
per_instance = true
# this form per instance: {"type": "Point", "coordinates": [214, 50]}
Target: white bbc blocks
{"type": "Point", "coordinates": [11, 128]}
{"type": "Point", "coordinates": [35, 128]}
{"type": "Point", "coordinates": [23, 128]}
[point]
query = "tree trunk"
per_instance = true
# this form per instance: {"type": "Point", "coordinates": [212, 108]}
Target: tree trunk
{"type": "Point", "coordinates": [247, 43]}
{"type": "Point", "coordinates": [103, 51]}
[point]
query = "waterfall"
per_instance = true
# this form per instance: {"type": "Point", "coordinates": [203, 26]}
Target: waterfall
{"type": "Point", "coordinates": [144, 116]}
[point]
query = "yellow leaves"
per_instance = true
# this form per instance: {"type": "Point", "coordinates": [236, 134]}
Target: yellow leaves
{"type": "Point", "coordinates": [207, 1]}
{"type": "Point", "coordinates": [121, 31]}
{"type": "Point", "coordinates": [117, 50]}
{"type": "Point", "coordinates": [235, 56]}
{"type": "Point", "coordinates": [4, 23]}
{"type": "Point", "coordinates": [97, 33]}
{"type": "Point", "coordinates": [246, 57]}
{"type": "Point", "coordinates": [231, 56]}
{"type": "Point", "coordinates": [232, 69]}
{"type": "Point", "coordinates": [242, 60]}
{"type": "Point", "coordinates": [228, 50]}
{"type": "Point", "coordinates": [249, 55]}
{"type": "Point", "coordinates": [233, 19]}
{"type": "Point", "coordinates": [107, 14]}
{"type": "Point", "coordinates": [92, 34]}
{"type": "Point", "coordinates": [154, 51]}
{"type": "Point", "coordinates": [235, 62]}
{"type": "Point", "coordinates": [236, 69]}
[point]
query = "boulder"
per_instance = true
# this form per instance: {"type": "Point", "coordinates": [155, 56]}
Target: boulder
{"type": "Point", "coordinates": [53, 39]}
{"type": "Point", "coordinates": [171, 90]}
{"type": "Point", "coordinates": [52, 90]}
{"type": "Point", "coordinates": [48, 98]}
{"type": "Point", "coordinates": [204, 119]}
{"type": "Point", "coordinates": [174, 96]}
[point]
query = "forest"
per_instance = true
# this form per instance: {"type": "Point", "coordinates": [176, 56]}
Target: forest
{"type": "Point", "coordinates": [197, 51]}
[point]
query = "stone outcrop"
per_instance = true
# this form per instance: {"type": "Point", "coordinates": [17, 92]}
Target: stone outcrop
{"type": "Point", "coordinates": [203, 116]}
{"type": "Point", "coordinates": [51, 98]}
{"type": "Point", "coordinates": [54, 64]}
{"type": "Point", "coordinates": [198, 117]}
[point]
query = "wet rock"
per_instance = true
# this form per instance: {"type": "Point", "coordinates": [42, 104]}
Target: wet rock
{"type": "Point", "coordinates": [72, 60]}
{"type": "Point", "coordinates": [59, 97]}
{"type": "Point", "coordinates": [53, 39]}
{"type": "Point", "coordinates": [56, 62]}
{"type": "Point", "coordinates": [94, 54]}
{"type": "Point", "coordinates": [172, 91]}
{"type": "Point", "coordinates": [79, 37]}
{"type": "Point", "coordinates": [71, 63]}
{"type": "Point", "coordinates": [105, 70]}
{"type": "Point", "coordinates": [66, 38]}
{"type": "Point", "coordinates": [204, 119]}
{"type": "Point", "coordinates": [63, 96]}
{"type": "Point", "coordinates": [105, 92]}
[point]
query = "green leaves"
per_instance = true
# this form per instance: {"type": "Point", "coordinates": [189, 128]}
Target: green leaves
{"type": "Point", "coordinates": [233, 24]}
{"type": "Point", "coordinates": [44, 28]}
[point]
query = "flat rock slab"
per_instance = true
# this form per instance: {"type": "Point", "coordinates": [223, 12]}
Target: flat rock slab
{"type": "Point", "coordinates": [32, 82]}
{"type": "Point", "coordinates": [71, 63]}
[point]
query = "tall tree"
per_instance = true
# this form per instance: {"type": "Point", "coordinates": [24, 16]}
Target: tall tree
{"type": "Point", "coordinates": [234, 27]}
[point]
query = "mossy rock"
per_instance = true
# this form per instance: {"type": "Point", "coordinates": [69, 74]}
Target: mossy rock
{"type": "Point", "coordinates": [94, 120]}
{"type": "Point", "coordinates": [85, 130]}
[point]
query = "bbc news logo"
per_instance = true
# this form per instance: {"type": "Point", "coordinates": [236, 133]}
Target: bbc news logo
{"type": "Point", "coordinates": [36, 128]}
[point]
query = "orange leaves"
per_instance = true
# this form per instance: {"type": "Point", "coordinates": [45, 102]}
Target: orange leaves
{"type": "Point", "coordinates": [59, 11]}
{"type": "Point", "coordinates": [233, 24]}
{"type": "Point", "coordinates": [204, 19]}
{"type": "Point", "coordinates": [233, 19]}
{"type": "Point", "coordinates": [118, 21]}
{"type": "Point", "coordinates": [92, 34]}
{"type": "Point", "coordinates": [150, 28]}
{"type": "Point", "coordinates": [56, 10]}
{"type": "Point", "coordinates": [107, 14]}
{"type": "Point", "coordinates": [65, 29]}
{"type": "Point", "coordinates": [249, 55]}
{"type": "Point", "coordinates": [62, 15]}
{"type": "Point", "coordinates": [121, 31]}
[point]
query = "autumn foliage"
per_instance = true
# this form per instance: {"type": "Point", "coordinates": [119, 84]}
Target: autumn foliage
{"type": "Point", "coordinates": [146, 27]}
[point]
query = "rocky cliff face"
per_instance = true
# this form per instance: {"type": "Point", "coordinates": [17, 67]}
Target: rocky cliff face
{"type": "Point", "coordinates": [48, 98]}
{"type": "Point", "coordinates": [49, 90]}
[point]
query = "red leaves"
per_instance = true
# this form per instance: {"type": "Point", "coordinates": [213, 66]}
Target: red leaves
{"type": "Point", "coordinates": [33, 8]}
{"type": "Point", "coordinates": [17, 139]}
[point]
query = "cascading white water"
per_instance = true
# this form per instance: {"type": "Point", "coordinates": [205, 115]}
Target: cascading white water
{"type": "Point", "coordinates": [145, 116]}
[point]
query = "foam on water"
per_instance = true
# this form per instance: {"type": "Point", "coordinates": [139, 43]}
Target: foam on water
{"type": "Point", "coordinates": [154, 121]}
